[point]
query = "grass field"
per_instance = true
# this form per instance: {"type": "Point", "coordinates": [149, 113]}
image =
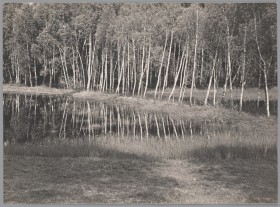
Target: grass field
{"type": "Point", "coordinates": [110, 175]}
{"type": "Point", "coordinates": [224, 169]}
{"type": "Point", "coordinates": [65, 180]}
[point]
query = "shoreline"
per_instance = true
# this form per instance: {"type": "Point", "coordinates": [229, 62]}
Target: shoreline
{"type": "Point", "coordinates": [198, 94]}
{"type": "Point", "coordinates": [39, 90]}
{"type": "Point", "coordinates": [148, 105]}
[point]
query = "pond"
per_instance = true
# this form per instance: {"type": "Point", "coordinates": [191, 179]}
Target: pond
{"type": "Point", "coordinates": [31, 118]}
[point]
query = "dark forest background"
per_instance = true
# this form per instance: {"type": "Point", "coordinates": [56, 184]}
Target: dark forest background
{"type": "Point", "coordinates": [136, 47]}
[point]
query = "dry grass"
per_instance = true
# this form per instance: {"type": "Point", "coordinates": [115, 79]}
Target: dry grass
{"type": "Point", "coordinates": [199, 94]}
{"type": "Point", "coordinates": [227, 145]}
{"type": "Point", "coordinates": [66, 180]}
{"type": "Point", "coordinates": [9, 88]}
{"type": "Point", "coordinates": [234, 167]}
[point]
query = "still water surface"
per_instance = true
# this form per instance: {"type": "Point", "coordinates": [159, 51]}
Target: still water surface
{"type": "Point", "coordinates": [31, 118]}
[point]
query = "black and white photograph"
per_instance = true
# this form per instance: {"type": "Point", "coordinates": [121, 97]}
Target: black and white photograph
{"type": "Point", "coordinates": [139, 103]}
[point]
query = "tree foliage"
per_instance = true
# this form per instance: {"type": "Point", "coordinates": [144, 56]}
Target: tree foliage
{"type": "Point", "coordinates": [127, 48]}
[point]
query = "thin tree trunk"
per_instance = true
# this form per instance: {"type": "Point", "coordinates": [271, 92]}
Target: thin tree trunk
{"type": "Point", "coordinates": [147, 69]}
{"type": "Point", "coordinates": [177, 74]}
{"type": "Point", "coordinates": [142, 71]}
{"type": "Point", "coordinates": [185, 78]}
{"type": "Point", "coordinates": [17, 72]}
{"type": "Point", "coordinates": [90, 61]}
{"type": "Point", "coordinates": [105, 71]}
{"type": "Point", "coordinates": [266, 92]}
{"type": "Point", "coordinates": [123, 74]}
{"type": "Point", "coordinates": [259, 88]}
{"type": "Point", "coordinates": [167, 66]}
{"type": "Point", "coordinates": [228, 75]}
{"type": "Point", "coordinates": [201, 68]}
{"type": "Point", "coordinates": [211, 77]}
{"type": "Point", "coordinates": [214, 84]}
{"type": "Point", "coordinates": [45, 67]}
{"type": "Point", "coordinates": [195, 57]}
{"type": "Point", "coordinates": [120, 73]}
{"type": "Point", "coordinates": [134, 68]}
{"type": "Point", "coordinates": [243, 81]}
{"type": "Point", "coordinates": [52, 69]}
{"type": "Point", "coordinates": [111, 69]}
{"type": "Point", "coordinates": [101, 79]}
{"type": "Point", "coordinates": [264, 67]}
{"type": "Point", "coordinates": [161, 63]}
{"type": "Point", "coordinates": [128, 70]}
{"type": "Point", "coordinates": [63, 67]}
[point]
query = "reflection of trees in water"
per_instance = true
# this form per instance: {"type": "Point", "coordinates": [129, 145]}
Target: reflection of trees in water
{"type": "Point", "coordinates": [31, 118]}
{"type": "Point", "coordinates": [18, 119]}
{"type": "Point", "coordinates": [27, 117]}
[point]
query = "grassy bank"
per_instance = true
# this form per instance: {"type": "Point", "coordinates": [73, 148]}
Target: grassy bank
{"type": "Point", "coordinates": [39, 90]}
{"type": "Point", "coordinates": [200, 94]}
{"type": "Point", "coordinates": [177, 111]}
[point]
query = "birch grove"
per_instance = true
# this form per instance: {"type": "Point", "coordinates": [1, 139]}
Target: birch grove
{"type": "Point", "coordinates": [165, 50]}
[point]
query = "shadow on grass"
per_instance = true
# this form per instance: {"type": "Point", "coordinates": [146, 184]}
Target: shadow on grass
{"type": "Point", "coordinates": [109, 177]}
{"type": "Point", "coordinates": [73, 149]}
{"type": "Point", "coordinates": [237, 151]}
{"type": "Point", "coordinates": [250, 169]}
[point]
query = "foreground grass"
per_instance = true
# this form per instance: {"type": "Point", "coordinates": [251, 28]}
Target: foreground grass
{"type": "Point", "coordinates": [221, 170]}
{"type": "Point", "coordinates": [130, 180]}
{"type": "Point", "coordinates": [67, 180]}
